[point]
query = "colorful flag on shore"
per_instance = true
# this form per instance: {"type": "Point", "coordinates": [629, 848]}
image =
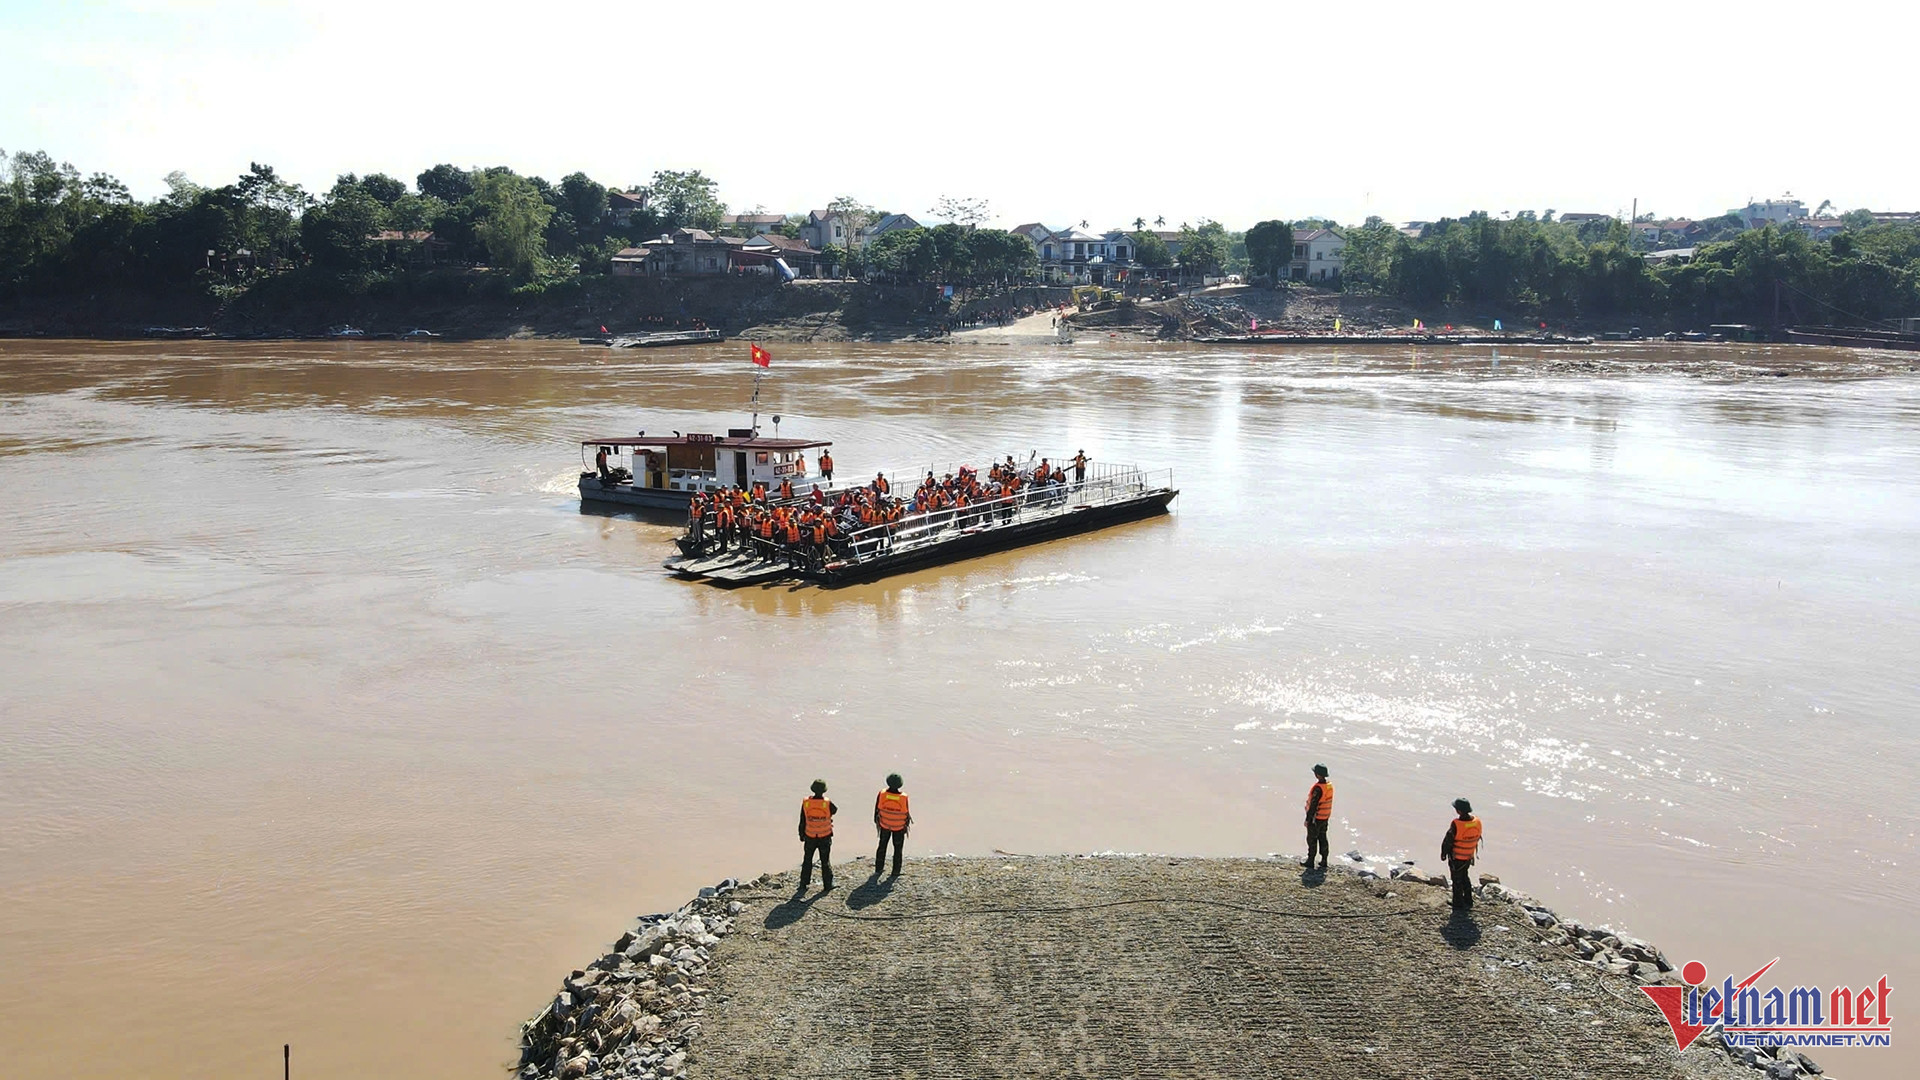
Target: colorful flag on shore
{"type": "Point", "coordinates": [1496, 324]}
{"type": "Point", "coordinates": [1336, 324]}
{"type": "Point", "coordinates": [1416, 324]}
{"type": "Point", "coordinates": [760, 357]}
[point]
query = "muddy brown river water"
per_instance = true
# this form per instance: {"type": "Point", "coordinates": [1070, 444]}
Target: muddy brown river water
{"type": "Point", "coordinates": [328, 718]}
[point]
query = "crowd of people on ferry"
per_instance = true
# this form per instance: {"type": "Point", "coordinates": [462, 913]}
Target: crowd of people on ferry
{"type": "Point", "coordinates": [807, 531]}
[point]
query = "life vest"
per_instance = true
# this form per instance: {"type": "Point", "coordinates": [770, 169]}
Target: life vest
{"type": "Point", "coordinates": [1466, 839]}
{"type": "Point", "coordinates": [786, 489]}
{"type": "Point", "coordinates": [766, 528]}
{"type": "Point", "coordinates": [819, 533]}
{"type": "Point", "coordinates": [819, 815]}
{"type": "Point", "coordinates": [1325, 809]}
{"type": "Point", "coordinates": [793, 532]}
{"type": "Point", "coordinates": [826, 463]}
{"type": "Point", "coordinates": [892, 807]}
{"type": "Point", "coordinates": [882, 481]}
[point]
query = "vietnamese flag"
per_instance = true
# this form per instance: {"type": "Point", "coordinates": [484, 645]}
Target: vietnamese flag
{"type": "Point", "coordinates": [760, 357]}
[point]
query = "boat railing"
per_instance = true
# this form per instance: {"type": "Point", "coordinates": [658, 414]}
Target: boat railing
{"type": "Point", "coordinates": [1104, 485]}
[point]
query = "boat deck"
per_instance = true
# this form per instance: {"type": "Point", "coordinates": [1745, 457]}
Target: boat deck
{"type": "Point", "coordinates": [1034, 516]}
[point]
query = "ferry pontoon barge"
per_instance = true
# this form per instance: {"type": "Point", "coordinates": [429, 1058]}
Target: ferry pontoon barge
{"type": "Point", "coordinates": [666, 471]}
{"type": "Point", "coordinates": [1111, 495]}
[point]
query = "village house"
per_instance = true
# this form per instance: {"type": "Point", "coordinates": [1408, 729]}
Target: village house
{"type": "Point", "coordinates": [1318, 255]}
{"type": "Point", "coordinates": [1071, 256]}
{"type": "Point", "coordinates": [886, 224]}
{"type": "Point", "coordinates": [824, 229]}
{"type": "Point", "coordinates": [413, 248]}
{"type": "Point", "coordinates": [630, 262]}
{"type": "Point", "coordinates": [1758, 215]}
{"type": "Point", "coordinates": [622, 205]}
{"type": "Point", "coordinates": [688, 251]}
{"type": "Point", "coordinates": [802, 259]}
{"type": "Point", "coordinates": [1033, 231]}
{"type": "Point", "coordinates": [752, 224]}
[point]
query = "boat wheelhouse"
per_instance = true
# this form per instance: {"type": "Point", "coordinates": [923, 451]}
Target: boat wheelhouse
{"type": "Point", "coordinates": [666, 471]}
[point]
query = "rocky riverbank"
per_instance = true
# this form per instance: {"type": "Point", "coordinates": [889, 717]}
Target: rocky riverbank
{"type": "Point", "coordinates": [1121, 965]}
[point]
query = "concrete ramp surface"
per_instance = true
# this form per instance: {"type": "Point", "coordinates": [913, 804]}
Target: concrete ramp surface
{"type": "Point", "coordinates": [967, 968]}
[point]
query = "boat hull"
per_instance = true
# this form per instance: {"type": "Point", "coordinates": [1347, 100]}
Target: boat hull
{"type": "Point", "coordinates": [592, 490]}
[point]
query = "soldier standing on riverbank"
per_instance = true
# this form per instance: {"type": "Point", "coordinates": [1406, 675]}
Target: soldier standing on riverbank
{"type": "Point", "coordinates": [1319, 810]}
{"type": "Point", "coordinates": [1458, 848]}
{"type": "Point", "coordinates": [816, 834]}
{"type": "Point", "coordinates": [890, 819]}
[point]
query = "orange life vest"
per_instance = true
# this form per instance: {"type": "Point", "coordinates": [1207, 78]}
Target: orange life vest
{"type": "Point", "coordinates": [1466, 839]}
{"type": "Point", "coordinates": [819, 815]}
{"type": "Point", "coordinates": [826, 463]}
{"type": "Point", "coordinates": [819, 533]}
{"type": "Point", "coordinates": [766, 528]}
{"type": "Point", "coordinates": [1325, 809]}
{"type": "Point", "coordinates": [892, 807]}
{"type": "Point", "coordinates": [793, 532]}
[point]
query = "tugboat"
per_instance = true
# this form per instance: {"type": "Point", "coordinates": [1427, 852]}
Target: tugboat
{"type": "Point", "coordinates": [665, 472]}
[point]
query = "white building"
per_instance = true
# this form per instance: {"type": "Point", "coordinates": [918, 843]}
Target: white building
{"type": "Point", "coordinates": [1318, 255]}
{"type": "Point", "coordinates": [751, 224]}
{"type": "Point", "coordinates": [1758, 215]}
{"type": "Point", "coordinates": [824, 229]}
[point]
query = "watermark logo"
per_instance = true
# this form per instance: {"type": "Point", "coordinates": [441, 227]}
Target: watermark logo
{"type": "Point", "coordinates": [1795, 1016]}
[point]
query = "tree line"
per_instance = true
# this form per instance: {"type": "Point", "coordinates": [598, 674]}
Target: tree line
{"type": "Point", "coordinates": [1534, 267]}
{"type": "Point", "coordinates": [64, 232]}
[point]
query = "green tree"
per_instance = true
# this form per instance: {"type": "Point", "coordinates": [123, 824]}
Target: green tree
{"type": "Point", "coordinates": [1150, 250]}
{"type": "Point", "coordinates": [339, 233]}
{"type": "Point", "coordinates": [686, 199]}
{"type": "Point", "coordinates": [971, 213]}
{"type": "Point", "coordinates": [1203, 248]}
{"type": "Point", "coordinates": [1368, 257]}
{"type": "Point", "coordinates": [448, 183]}
{"type": "Point", "coordinates": [511, 219]}
{"type": "Point", "coordinates": [855, 216]}
{"type": "Point", "coordinates": [1270, 249]}
{"type": "Point", "coordinates": [415, 213]}
{"type": "Point", "coordinates": [384, 188]}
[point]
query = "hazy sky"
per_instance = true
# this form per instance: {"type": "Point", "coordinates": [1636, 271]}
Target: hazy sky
{"type": "Point", "coordinates": [1052, 112]}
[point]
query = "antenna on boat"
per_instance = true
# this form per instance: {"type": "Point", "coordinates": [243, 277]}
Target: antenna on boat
{"type": "Point", "coordinates": [756, 401]}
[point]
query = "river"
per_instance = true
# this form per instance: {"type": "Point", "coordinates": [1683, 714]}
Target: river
{"type": "Point", "coordinates": [327, 718]}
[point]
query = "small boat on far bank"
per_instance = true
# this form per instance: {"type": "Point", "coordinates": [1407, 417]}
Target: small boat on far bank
{"type": "Point", "coordinates": [656, 340]}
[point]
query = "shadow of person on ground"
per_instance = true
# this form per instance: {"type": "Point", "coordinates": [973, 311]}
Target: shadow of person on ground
{"type": "Point", "coordinates": [1461, 931]}
{"type": "Point", "coordinates": [792, 910]}
{"type": "Point", "coordinates": [870, 892]}
{"type": "Point", "coordinates": [1314, 878]}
